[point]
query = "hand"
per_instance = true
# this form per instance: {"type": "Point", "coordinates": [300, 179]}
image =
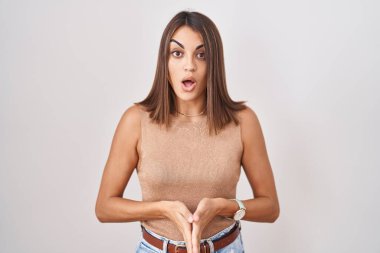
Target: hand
{"type": "Point", "coordinates": [206, 211]}
{"type": "Point", "coordinates": [177, 212]}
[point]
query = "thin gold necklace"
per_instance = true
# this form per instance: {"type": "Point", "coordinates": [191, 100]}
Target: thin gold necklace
{"type": "Point", "coordinates": [187, 115]}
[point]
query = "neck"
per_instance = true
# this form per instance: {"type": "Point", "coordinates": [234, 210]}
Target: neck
{"type": "Point", "coordinates": [191, 108]}
{"type": "Point", "coordinates": [193, 115]}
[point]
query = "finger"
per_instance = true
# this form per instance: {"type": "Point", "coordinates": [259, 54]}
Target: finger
{"type": "Point", "coordinates": [199, 212]}
{"type": "Point", "coordinates": [196, 217]}
{"type": "Point", "coordinates": [187, 214]}
{"type": "Point", "coordinates": [187, 219]}
{"type": "Point", "coordinates": [185, 222]}
{"type": "Point", "coordinates": [195, 238]}
{"type": "Point", "coordinates": [187, 237]}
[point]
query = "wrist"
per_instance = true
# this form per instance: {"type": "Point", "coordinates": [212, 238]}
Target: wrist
{"type": "Point", "coordinates": [163, 204]}
{"type": "Point", "coordinates": [227, 207]}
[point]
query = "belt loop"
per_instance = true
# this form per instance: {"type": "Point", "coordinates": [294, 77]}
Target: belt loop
{"type": "Point", "coordinates": [165, 245]}
{"type": "Point", "coordinates": [211, 245]}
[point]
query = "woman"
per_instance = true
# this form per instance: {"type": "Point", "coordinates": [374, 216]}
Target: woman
{"type": "Point", "coordinates": [188, 140]}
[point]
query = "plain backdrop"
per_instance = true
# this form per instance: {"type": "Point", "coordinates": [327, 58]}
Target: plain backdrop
{"type": "Point", "coordinates": [309, 69]}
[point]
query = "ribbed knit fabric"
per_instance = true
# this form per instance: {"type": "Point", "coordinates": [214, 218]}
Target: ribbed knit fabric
{"type": "Point", "coordinates": [185, 163]}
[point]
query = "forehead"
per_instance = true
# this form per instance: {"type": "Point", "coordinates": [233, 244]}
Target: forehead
{"type": "Point", "coordinates": [187, 37]}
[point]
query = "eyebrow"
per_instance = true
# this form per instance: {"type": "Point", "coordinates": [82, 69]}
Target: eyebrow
{"type": "Point", "coordinates": [179, 44]}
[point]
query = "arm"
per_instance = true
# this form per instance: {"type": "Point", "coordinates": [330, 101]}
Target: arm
{"type": "Point", "coordinates": [264, 207]}
{"type": "Point", "coordinates": [122, 160]}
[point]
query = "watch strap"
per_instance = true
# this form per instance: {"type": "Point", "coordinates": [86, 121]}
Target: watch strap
{"type": "Point", "coordinates": [241, 205]}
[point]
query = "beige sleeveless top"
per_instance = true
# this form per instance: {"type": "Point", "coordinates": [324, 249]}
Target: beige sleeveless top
{"type": "Point", "coordinates": [185, 163]}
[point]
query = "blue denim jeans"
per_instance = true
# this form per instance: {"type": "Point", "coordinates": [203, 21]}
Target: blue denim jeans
{"type": "Point", "coordinates": [235, 247]}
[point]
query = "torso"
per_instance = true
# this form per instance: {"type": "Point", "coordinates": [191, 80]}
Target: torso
{"type": "Point", "coordinates": [185, 163]}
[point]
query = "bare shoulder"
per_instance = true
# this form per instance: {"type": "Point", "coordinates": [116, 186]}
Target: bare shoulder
{"type": "Point", "coordinates": [129, 124]}
{"type": "Point", "coordinates": [248, 117]}
{"type": "Point", "coordinates": [249, 123]}
{"type": "Point", "coordinates": [132, 115]}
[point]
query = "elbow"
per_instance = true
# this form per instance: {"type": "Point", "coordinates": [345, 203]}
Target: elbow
{"type": "Point", "coordinates": [99, 212]}
{"type": "Point", "coordinates": [275, 214]}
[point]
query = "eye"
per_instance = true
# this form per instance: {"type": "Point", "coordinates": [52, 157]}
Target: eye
{"type": "Point", "coordinates": [176, 53]}
{"type": "Point", "coordinates": [201, 55]}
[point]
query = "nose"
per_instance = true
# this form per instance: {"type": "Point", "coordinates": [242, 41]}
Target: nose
{"type": "Point", "coordinates": [189, 64]}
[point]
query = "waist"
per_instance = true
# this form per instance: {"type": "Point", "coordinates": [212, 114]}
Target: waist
{"type": "Point", "coordinates": [210, 244]}
{"type": "Point", "coordinates": [166, 228]}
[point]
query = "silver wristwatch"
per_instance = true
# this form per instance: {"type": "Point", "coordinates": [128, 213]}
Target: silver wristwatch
{"type": "Point", "coordinates": [241, 212]}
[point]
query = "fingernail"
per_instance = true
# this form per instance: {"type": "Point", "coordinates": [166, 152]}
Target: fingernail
{"type": "Point", "coordinates": [190, 219]}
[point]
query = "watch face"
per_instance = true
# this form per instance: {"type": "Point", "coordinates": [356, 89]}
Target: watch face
{"type": "Point", "coordinates": [239, 214]}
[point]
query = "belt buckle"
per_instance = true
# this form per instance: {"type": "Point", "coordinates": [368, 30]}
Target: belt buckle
{"type": "Point", "coordinates": [177, 246]}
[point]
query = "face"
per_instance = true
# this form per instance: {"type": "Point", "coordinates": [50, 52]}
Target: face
{"type": "Point", "coordinates": [187, 62]}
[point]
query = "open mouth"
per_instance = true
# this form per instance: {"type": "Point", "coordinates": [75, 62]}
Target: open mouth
{"type": "Point", "coordinates": [188, 85]}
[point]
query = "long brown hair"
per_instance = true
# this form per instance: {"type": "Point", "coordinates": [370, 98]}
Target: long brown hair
{"type": "Point", "coordinates": [160, 101]}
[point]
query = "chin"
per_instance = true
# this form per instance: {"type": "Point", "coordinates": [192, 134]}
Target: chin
{"type": "Point", "coordinates": [186, 98]}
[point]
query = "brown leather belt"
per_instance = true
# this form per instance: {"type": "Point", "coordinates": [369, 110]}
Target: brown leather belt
{"type": "Point", "coordinates": [205, 248]}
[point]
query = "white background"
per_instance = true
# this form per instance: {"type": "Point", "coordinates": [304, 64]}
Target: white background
{"type": "Point", "coordinates": [309, 69]}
